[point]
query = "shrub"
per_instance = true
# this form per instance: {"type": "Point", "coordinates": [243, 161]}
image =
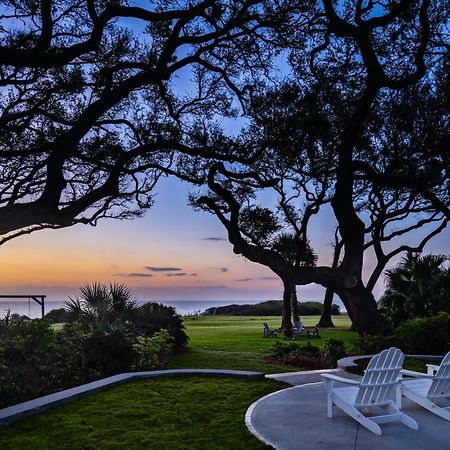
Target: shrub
{"type": "Point", "coordinates": [430, 336]}
{"type": "Point", "coordinates": [333, 350]}
{"type": "Point", "coordinates": [427, 336]}
{"type": "Point", "coordinates": [369, 344]}
{"type": "Point", "coordinates": [154, 352]}
{"type": "Point", "coordinates": [299, 355]}
{"type": "Point", "coordinates": [57, 315]}
{"type": "Point", "coordinates": [26, 349]}
{"type": "Point", "coordinates": [153, 317]}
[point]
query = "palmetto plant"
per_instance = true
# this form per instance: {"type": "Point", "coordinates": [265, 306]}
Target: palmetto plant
{"type": "Point", "coordinates": [296, 250]}
{"type": "Point", "coordinates": [417, 287]}
{"type": "Point", "coordinates": [102, 308]}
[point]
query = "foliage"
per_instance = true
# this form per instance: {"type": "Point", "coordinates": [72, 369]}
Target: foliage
{"type": "Point", "coordinates": [59, 315]}
{"type": "Point", "coordinates": [332, 351]}
{"type": "Point", "coordinates": [102, 308]}
{"type": "Point", "coordinates": [418, 287]}
{"type": "Point", "coordinates": [422, 336]}
{"type": "Point", "coordinates": [308, 355]}
{"type": "Point", "coordinates": [367, 344]}
{"type": "Point", "coordinates": [153, 317]}
{"type": "Point", "coordinates": [268, 308]}
{"type": "Point", "coordinates": [105, 334]}
{"type": "Point", "coordinates": [192, 412]}
{"type": "Point", "coordinates": [428, 336]}
{"type": "Point", "coordinates": [154, 352]}
{"type": "Point", "coordinates": [26, 350]}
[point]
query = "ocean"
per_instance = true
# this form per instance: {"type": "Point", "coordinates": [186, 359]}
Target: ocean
{"type": "Point", "coordinates": [184, 308]}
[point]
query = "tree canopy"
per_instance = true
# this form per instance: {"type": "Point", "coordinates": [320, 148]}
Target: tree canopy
{"type": "Point", "coordinates": [361, 129]}
{"type": "Point", "coordinates": [90, 118]}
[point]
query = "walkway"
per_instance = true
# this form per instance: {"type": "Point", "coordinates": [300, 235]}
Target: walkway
{"type": "Point", "coordinates": [295, 418]}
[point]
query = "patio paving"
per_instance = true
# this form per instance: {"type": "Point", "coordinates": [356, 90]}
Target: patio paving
{"type": "Point", "coordinates": [295, 418]}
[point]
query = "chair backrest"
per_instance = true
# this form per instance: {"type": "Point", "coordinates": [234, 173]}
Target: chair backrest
{"type": "Point", "coordinates": [381, 378]}
{"type": "Point", "coordinates": [440, 387]}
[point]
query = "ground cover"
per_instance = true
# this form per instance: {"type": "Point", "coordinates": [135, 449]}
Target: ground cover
{"type": "Point", "coordinates": [237, 342]}
{"type": "Point", "coordinates": [181, 413]}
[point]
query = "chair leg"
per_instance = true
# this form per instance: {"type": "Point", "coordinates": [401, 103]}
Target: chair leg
{"type": "Point", "coordinates": [358, 416]}
{"type": "Point", "coordinates": [426, 403]}
{"type": "Point", "coordinates": [404, 419]}
{"type": "Point", "coordinates": [330, 405]}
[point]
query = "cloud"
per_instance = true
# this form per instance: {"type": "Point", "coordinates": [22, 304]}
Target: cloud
{"type": "Point", "coordinates": [214, 239]}
{"type": "Point", "coordinates": [181, 274]}
{"type": "Point", "coordinates": [163, 269]}
{"type": "Point", "coordinates": [133, 275]}
{"type": "Point", "coordinates": [257, 278]}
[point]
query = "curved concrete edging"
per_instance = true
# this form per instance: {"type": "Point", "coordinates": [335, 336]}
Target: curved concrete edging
{"type": "Point", "coordinates": [349, 362]}
{"type": "Point", "coordinates": [17, 412]}
{"type": "Point", "coordinates": [252, 407]}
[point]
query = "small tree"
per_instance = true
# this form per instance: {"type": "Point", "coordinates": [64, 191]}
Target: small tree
{"type": "Point", "coordinates": [417, 287]}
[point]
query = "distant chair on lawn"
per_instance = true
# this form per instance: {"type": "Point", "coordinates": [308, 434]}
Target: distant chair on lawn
{"type": "Point", "coordinates": [268, 332]}
{"type": "Point", "coordinates": [379, 387]}
{"type": "Point", "coordinates": [300, 330]}
{"type": "Point", "coordinates": [430, 387]}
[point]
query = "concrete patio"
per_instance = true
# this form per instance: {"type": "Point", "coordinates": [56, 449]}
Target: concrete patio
{"type": "Point", "coordinates": [295, 418]}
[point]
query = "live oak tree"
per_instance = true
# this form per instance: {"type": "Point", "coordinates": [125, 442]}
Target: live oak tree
{"type": "Point", "coordinates": [102, 98]}
{"type": "Point", "coordinates": [362, 130]}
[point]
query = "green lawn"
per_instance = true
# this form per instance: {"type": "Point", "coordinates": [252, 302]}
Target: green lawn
{"type": "Point", "coordinates": [165, 413]}
{"type": "Point", "coordinates": [181, 413]}
{"type": "Point", "coordinates": [237, 342]}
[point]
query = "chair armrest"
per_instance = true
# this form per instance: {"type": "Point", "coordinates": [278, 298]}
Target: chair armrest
{"type": "Point", "coordinates": [432, 368]}
{"type": "Point", "coordinates": [413, 373]}
{"type": "Point", "coordinates": [329, 376]}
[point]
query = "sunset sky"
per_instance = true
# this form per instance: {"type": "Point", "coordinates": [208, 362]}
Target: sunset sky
{"type": "Point", "coordinates": [173, 253]}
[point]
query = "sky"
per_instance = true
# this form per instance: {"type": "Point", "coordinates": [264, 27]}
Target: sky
{"type": "Point", "coordinates": [172, 253]}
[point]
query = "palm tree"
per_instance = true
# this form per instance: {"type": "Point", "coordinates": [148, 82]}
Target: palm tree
{"type": "Point", "coordinates": [102, 308]}
{"type": "Point", "coordinates": [417, 287]}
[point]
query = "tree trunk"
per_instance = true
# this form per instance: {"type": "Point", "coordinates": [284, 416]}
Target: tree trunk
{"type": "Point", "coordinates": [294, 305]}
{"type": "Point", "coordinates": [362, 310]}
{"type": "Point", "coordinates": [286, 323]}
{"type": "Point", "coordinates": [325, 319]}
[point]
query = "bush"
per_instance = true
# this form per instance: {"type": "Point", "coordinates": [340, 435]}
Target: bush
{"type": "Point", "coordinates": [57, 315]}
{"type": "Point", "coordinates": [153, 317]}
{"type": "Point", "coordinates": [332, 351]}
{"type": "Point", "coordinates": [299, 355]}
{"type": "Point", "coordinates": [430, 336]}
{"type": "Point", "coordinates": [370, 345]}
{"type": "Point", "coordinates": [308, 355]}
{"type": "Point", "coordinates": [154, 352]}
{"type": "Point", "coordinates": [427, 336]}
{"type": "Point", "coordinates": [26, 349]}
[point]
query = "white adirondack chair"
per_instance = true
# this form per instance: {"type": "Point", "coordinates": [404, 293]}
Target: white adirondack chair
{"type": "Point", "coordinates": [379, 387]}
{"type": "Point", "coordinates": [429, 387]}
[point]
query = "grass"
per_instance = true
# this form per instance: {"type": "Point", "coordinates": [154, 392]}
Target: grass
{"type": "Point", "coordinates": [181, 413]}
{"type": "Point", "coordinates": [237, 342]}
